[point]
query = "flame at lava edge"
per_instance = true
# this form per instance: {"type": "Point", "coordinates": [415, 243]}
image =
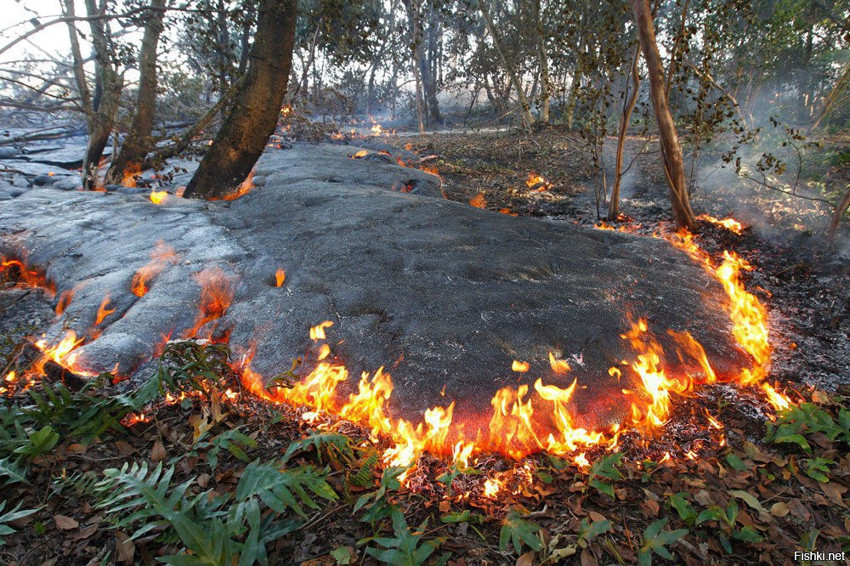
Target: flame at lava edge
{"type": "Point", "coordinates": [511, 430]}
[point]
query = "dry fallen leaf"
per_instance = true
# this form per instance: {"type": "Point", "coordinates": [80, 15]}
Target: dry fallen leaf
{"type": "Point", "coordinates": [124, 548]}
{"type": "Point", "coordinates": [526, 559]}
{"type": "Point", "coordinates": [779, 509]}
{"type": "Point", "coordinates": [65, 523]}
{"type": "Point", "coordinates": [84, 533]}
{"type": "Point", "coordinates": [834, 492]}
{"type": "Point", "coordinates": [124, 448]}
{"type": "Point", "coordinates": [158, 452]}
{"type": "Point", "coordinates": [445, 506]}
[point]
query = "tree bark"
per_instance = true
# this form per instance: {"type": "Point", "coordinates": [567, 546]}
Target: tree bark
{"type": "Point", "coordinates": [545, 82]}
{"type": "Point", "coordinates": [837, 216]}
{"type": "Point", "coordinates": [428, 64]}
{"type": "Point", "coordinates": [524, 106]}
{"type": "Point", "coordinates": [138, 142]}
{"type": "Point", "coordinates": [671, 150]}
{"type": "Point", "coordinates": [106, 97]}
{"type": "Point", "coordinates": [629, 105]}
{"type": "Point", "coordinates": [254, 114]}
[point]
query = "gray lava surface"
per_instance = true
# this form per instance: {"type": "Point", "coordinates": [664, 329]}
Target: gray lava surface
{"type": "Point", "coordinates": [443, 295]}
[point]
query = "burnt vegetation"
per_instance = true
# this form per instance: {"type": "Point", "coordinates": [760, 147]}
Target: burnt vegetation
{"type": "Point", "coordinates": [720, 127]}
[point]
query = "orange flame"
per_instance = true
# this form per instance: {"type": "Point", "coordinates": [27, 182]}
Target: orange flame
{"type": "Point", "coordinates": [158, 197]}
{"type": "Point", "coordinates": [130, 173]}
{"type": "Point", "coordinates": [162, 255]}
{"type": "Point", "coordinates": [478, 201]}
{"type": "Point", "coordinates": [65, 299]}
{"type": "Point", "coordinates": [537, 183]}
{"type": "Point", "coordinates": [103, 311]}
{"type": "Point", "coordinates": [216, 295]}
{"type": "Point", "coordinates": [279, 277]}
{"type": "Point", "coordinates": [729, 223]}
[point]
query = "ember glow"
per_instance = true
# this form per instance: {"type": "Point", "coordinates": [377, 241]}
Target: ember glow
{"type": "Point", "coordinates": [103, 310]}
{"type": "Point", "coordinates": [537, 183]}
{"type": "Point", "coordinates": [18, 271]}
{"type": "Point", "coordinates": [478, 201]}
{"type": "Point", "coordinates": [162, 255]}
{"type": "Point", "coordinates": [216, 295]}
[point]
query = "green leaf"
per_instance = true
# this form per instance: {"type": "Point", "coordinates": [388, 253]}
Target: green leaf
{"type": "Point", "coordinates": [655, 540]}
{"type": "Point", "coordinates": [518, 531]}
{"type": "Point", "coordinates": [605, 467]}
{"type": "Point", "coordinates": [747, 534]}
{"type": "Point", "coordinates": [40, 442]}
{"type": "Point", "coordinates": [733, 460]}
{"type": "Point", "coordinates": [685, 510]}
{"type": "Point", "coordinates": [404, 549]}
{"type": "Point", "coordinates": [283, 489]}
{"type": "Point", "coordinates": [749, 499]}
{"type": "Point", "coordinates": [10, 516]}
{"type": "Point", "coordinates": [341, 555]}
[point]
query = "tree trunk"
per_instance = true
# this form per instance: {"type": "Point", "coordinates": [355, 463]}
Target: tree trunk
{"type": "Point", "coordinates": [429, 75]}
{"type": "Point", "coordinates": [524, 106]}
{"type": "Point", "coordinates": [419, 64]}
{"type": "Point", "coordinates": [545, 82]}
{"type": "Point", "coordinates": [138, 141]}
{"type": "Point", "coordinates": [837, 216]}
{"type": "Point", "coordinates": [106, 98]}
{"type": "Point", "coordinates": [628, 106]}
{"type": "Point", "coordinates": [254, 114]}
{"type": "Point", "coordinates": [671, 151]}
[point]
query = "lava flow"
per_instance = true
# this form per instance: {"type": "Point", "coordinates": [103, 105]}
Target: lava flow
{"type": "Point", "coordinates": [525, 419]}
{"type": "Point", "coordinates": [524, 422]}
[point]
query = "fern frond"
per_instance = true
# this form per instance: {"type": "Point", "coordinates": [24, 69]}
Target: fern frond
{"type": "Point", "coordinates": [283, 489]}
{"type": "Point", "coordinates": [333, 444]}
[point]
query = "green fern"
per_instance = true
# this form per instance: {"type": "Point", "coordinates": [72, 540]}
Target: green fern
{"type": "Point", "coordinates": [367, 466]}
{"type": "Point", "coordinates": [10, 516]}
{"type": "Point", "coordinates": [406, 548]}
{"type": "Point", "coordinates": [282, 489]}
{"type": "Point", "coordinates": [232, 440]}
{"type": "Point", "coordinates": [332, 444]}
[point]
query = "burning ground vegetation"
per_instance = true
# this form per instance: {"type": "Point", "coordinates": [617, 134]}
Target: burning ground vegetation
{"type": "Point", "coordinates": [208, 463]}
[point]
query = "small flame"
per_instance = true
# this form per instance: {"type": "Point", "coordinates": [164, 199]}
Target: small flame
{"type": "Point", "coordinates": [216, 295]}
{"type": "Point", "coordinates": [492, 487]}
{"type": "Point", "coordinates": [729, 223]}
{"type": "Point", "coordinates": [279, 277]}
{"type": "Point", "coordinates": [777, 399]}
{"type": "Point", "coordinates": [103, 310]}
{"type": "Point", "coordinates": [162, 255]}
{"type": "Point", "coordinates": [520, 367]}
{"type": "Point", "coordinates": [537, 183]}
{"type": "Point", "coordinates": [560, 367]}
{"type": "Point", "coordinates": [478, 201]}
{"type": "Point", "coordinates": [65, 299]}
{"type": "Point", "coordinates": [130, 174]}
{"type": "Point", "coordinates": [318, 332]}
{"type": "Point", "coordinates": [158, 197]}
{"type": "Point", "coordinates": [581, 461]}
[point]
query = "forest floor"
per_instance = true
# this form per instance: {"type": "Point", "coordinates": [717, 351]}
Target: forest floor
{"type": "Point", "coordinates": [724, 481]}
